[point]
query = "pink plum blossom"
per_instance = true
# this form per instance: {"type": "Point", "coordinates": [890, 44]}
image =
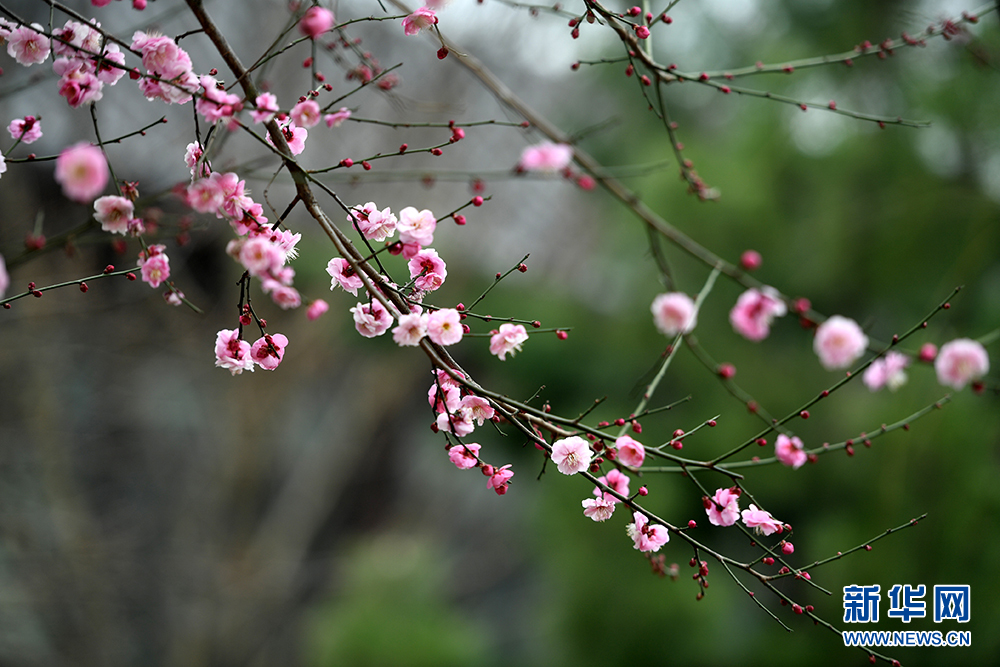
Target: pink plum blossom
{"type": "Point", "coordinates": [411, 329]}
{"type": "Point", "coordinates": [253, 220]}
{"type": "Point", "coordinates": [106, 71]}
{"type": "Point", "coordinates": [647, 537]}
{"type": "Point", "coordinates": [371, 319]}
{"type": "Point", "coordinates": [27, 46]}
{"type": "Point", "coordinates": [723, 508]}
{"type": "Point", "coordinates": [790, 451]}
{"type": "Point", "coordinates": [266, 106]}
{"type": "Point", "coordinates": [316, 309]}
{"type": "Point", "coordinates": [179, 91]}
{"type": "Point", "coordinates": [447, 387]}
{"type": "Point", "coordinates": [479, 409]}
{"type": "Point", "coordinates": [232, 353]}
{"type": "Point", "coordinates": [261, 257]}
{"type": "Point", "coordinates": [630, 452]}
{"type": "Point", "coordinates": [571, 455]}
{"type": "Point", "coordinates": [216, 104]}
{"type": "Point", "coordinates": [674, 313]}
{"type": "Point", "coordinates": [508, 340]}
{"type": "Point", "coordinates": [755, 309]}
{"type": "Point", "coordinates": [78, 36]}
{"type": "Point", "coordinates": [427, 270]}
{"type": "Point", "coordinates": [287, 241]}
{"type": "Point", "coordinates": [338, 117]}
{"type": "Point", "coordinates": [546, 157]}
{"type": "Point", "coordinates": [839, 342]}
{"type": "Point", "coordinates": [82, 171]}
{"type": "Point", "coordinates": [614, 480]}
{"type": "Point", "coordinates": [888, 371]}
{"type": "Point", "coordinates": [269, 350]}
{"type": "Point", "coordinates": [928, 352]}
{"type": "Point", "coordinates": [113, 213]}
{"type": "Point", "coordinates": [960, 362]}
{"type": "Point", "coordinates": [452, 398]}
{"type": "Point", "coordinates": [77, 83]}
{"type": "Point", "coordinates": [295, 136]}
{"type": "Point", "coordinates": [409, 250]}
{"type": "Point", "coordinates": [206, 195]}
{"type": "Point", "coordinates": [316, 21]}
{"type": "Point", "coordinates": [193, 153]}
{"type": "Point", "coordinates": [342, 274]}
{"type": "Point", "coordinates": [154, 265]}
{"type": "Point", "coordinates": [444, 326]}
{"type": "Point", "coordinates": [161, 55]}
{"type": "Point", "coordinates": [459, 422]}
{"type": "Point", "coordinates": [419, 20]}
{"type": "Point", "coordinates": [464, 456]}
{"type": "Point", "coordinates": [4, 277]}
{"type": "Point", "coordinates": [373, 224]}
{"type": "Point", "coordinates": [171, 64]}
{"type": "Point", "coordinates": [135, 227]}
{"type": "Point", "coordinates": [416, 226]}
{"type": "Point", "coordinates": [285, 296]}
{"type": "Point", "coordinates": [27, 129]}
{"type": "Point", "coordinates": [305, 114]}
{"type": "Point", "coordinates": [235, 201]}
{"type": "Point", "coordinates": [498, 480]}
{"type": "Point", "coordinates": [599, 509]}
{"type": "Point", "coordinates": [762, 522]}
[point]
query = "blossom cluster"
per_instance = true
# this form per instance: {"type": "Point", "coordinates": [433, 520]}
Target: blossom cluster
{"type": "Point", "coordinates": [154, 265]}
{"type": "Point", "coordinates": [428, 273]}
{"type": "Point", "coordinates": [458, 411]}
{"type": "Point", "coordinates": [647, 537]}
{"type": "Point", "coordinates": [427, 270]}
{"type": "Point", "coordinates": [723, 509]}
{"type": "Point", "coordinates": [627, 451]}
{"type": "Point", "coordinates": [237, 355]}
{"type": "Point", "coordinates": [82, 170]}
{"type": "Point", "coordinates": [84, 60]}
{"type": "Point", "coordinates": [421, 19]}
{"type": "Point", "coordinates": [838, 342]}
{"type": "Point", "coordinates": [507, 340]}
{"type": "Point", "coordinates": [264, 252]}
{"type": "Point", "coordinates": [754, 311]}
{"type": "Point", "coordinates": [466, 455]}
{"type": "Point", "coordinates": [169, 72]}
